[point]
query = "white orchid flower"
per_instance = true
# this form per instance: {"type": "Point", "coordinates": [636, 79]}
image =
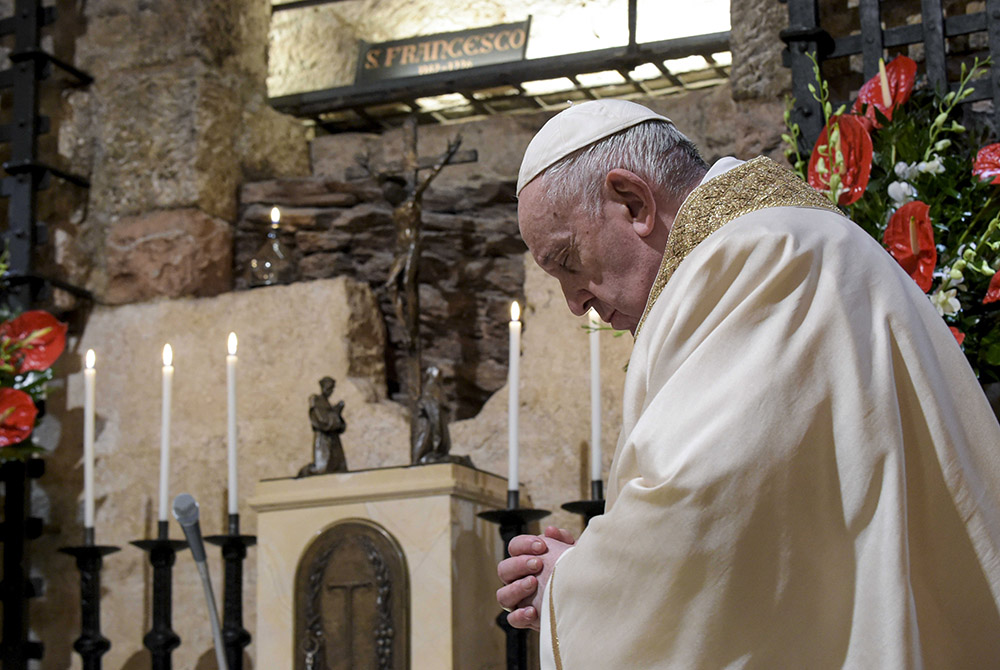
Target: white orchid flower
{"type": "Point", "coordinates": [932, 166]}
{"type": "Point", "coordinates": [905, 171]}
{"type": "Point", "coordinates": [901, 192]}
{"type": "Point", "coordinates": [945, 302]}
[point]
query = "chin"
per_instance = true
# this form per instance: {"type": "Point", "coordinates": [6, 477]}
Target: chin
{"type": "Point", "coordinates": [619, 321]}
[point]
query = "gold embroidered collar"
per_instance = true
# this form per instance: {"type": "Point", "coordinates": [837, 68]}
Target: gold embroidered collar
{"type": "Point", "coordinates": [756, 184]}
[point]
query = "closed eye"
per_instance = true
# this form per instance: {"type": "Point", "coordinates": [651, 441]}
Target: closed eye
{"type": "Point", "coordinates": [564, 259]}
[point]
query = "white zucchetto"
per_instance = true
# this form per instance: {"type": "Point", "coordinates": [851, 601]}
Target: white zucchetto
{"type": "Point", "coordinates": [577, 127]}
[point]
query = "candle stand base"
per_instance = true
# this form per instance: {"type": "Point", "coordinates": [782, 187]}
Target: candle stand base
{"type": "Point", "coordinates": [234, 551]}
{"type": "Point", "coordinates": [588, 509]}
{"type": "Point", "coordinates": [513, 521]}
{"type": "Point", "coordinates": [91, 645]}
{"type": "Point", "coordinates": [162, 640]}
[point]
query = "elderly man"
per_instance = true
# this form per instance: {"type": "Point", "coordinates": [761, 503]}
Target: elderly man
{"type": "Point", "coordinates": [808, 473]}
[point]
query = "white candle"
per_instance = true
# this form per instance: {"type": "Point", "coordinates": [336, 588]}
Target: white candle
{"type": "Point", "coordinates": [168, 377]}
{"type": "Point", "coordinates": [231, 401]}
{"type": "Point", "coordinates": [513, 379]}
{"type": "Point", "coordinates": [89, 376]}
{"type": "Point", "coordinates": [595, 397]}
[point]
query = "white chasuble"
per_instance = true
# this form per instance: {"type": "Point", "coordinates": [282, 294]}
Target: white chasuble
{"type": "Point", "coordinates": [808, 473]}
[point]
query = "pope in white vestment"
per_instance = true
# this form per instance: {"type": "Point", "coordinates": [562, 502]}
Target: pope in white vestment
{"type": "Point", "coordinates": [808, 473]}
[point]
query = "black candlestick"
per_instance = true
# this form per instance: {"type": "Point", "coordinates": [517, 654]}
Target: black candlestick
{"type": "Point", "coordinates": [91, 645]}
{"type": "Point", "coordinates": [161, 640]}
{"type": "Point", "coordinates": [513, 521]}
{"type": "Point", "coordinates": [588, 509]}
{"type": "Point", "coordinates": [234, 550]}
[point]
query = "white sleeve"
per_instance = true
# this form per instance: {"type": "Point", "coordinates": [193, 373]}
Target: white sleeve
{"type": "Point", "coordinates": [546, 656]}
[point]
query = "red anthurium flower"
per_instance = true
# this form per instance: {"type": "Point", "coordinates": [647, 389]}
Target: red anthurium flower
{"type": "Point", "coordinates": [959, 335]}
{"type": "Point", "coordinates": [987, 165]}
{"type": "Point", "coordinates": [17, 416]}
{"type": "Point", "coordinates": [841, 160]}
{"type": "Point", "coordinates": [910, 239]}
{"type": "Point", "coordinates": [899, 76]}
{"type": "Point", "coordinates": [993, 291]}
{"type": "Point", "coordinates": [37, 337]}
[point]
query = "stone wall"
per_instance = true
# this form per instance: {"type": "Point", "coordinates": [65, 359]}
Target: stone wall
{"type": "Point", "coordinates": [175, 120]}
{"type": "Point", "coordinates": [470, 269]}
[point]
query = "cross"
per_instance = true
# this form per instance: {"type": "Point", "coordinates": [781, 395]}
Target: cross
{"type": "Point", "coordinates": [349, 589]}
{"type": "Point", "coordinates": [405, 194]}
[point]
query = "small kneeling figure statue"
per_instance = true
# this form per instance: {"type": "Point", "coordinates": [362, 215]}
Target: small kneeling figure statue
{"type": "Point", "coordinates": [327, 424]}
{"type": "Point", "coordinates": [431, 441]}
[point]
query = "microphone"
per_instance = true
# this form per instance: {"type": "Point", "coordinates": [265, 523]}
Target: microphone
{"type": "Point", "coordinates": [186, 513]}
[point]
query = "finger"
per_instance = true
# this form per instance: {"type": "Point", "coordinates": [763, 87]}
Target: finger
{"type": "Point", "coordinates": [512, 595]}
{"type": "Point", "coordinates": [526, 544]}
{"type": "Point", "coordinates": [516, 567]}
{"type": "Point", "coordinates": [525, 617]}
{"type": "Point", "coordinates": [560, 534]}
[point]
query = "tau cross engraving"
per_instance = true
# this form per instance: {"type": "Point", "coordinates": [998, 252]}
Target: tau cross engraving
{"type": "Point", "coordinates": [348, 614]}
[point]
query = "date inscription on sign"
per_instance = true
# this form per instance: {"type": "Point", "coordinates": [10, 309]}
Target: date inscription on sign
{"type": "Point", "coordinates": [444, 52]}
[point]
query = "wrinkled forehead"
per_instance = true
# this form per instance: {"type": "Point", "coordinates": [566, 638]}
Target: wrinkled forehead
{"type": "Point", "coordinates": [535, 213]}
{"type": "Point", "coordinates": [544, 224]}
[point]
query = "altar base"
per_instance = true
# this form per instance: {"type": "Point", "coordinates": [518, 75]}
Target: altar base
{"type": "Point", "coordinates": [450, 556]}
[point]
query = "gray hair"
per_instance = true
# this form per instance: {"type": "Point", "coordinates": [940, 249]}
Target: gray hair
{"type": "Point", "coordinates": [654, 150]}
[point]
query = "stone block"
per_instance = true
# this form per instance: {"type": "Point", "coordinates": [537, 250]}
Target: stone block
{"type": "Point", "coordinates": [318, 191]}
{"type": "Point", "coordinates": [173, 253]}
{"type": "Point", "coordinates": [227, 34]}
{"type": "Point", "coordinates": [757, 72]}
{"type": "Point", "coordinates": [164, 140]}
{"type": "Point", "coordinates": [271, 144]}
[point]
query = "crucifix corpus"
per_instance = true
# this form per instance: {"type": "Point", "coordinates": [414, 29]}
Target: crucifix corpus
{"type": "Point", "coordinates": [404, 189]}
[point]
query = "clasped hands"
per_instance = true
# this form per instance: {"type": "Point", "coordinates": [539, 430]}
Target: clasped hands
{"type": "Point", "coordinates": [526, 574]}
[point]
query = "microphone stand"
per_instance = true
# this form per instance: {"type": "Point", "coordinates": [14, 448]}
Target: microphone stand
{"type": "Point", "coordinates": [186, 512]}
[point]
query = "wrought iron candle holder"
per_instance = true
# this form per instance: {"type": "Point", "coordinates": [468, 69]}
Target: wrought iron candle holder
{"type": "Point", "coordinates": [91, 645]}
{"type": "Point", "coordinates": [513, 521]}
{"type": "Point", "coordinates": [161, 640]}
{"type": "Point", "coordinates": [234, 550]}
{"type": "Point", "coordinates": [18, 528]}
{"type": "Point", "coordinates": [588, 509]}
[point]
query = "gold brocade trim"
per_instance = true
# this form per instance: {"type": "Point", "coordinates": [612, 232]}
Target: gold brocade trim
{"type": "Point", "coordinates": [754, 185]}
{"type": "Point", "coordinates": [552, 620]}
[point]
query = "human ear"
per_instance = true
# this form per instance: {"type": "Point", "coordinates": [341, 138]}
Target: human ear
{"type": "Point", "coordinates": [631, 191]}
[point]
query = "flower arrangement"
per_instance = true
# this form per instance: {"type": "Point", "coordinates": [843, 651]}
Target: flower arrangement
{"type": "Point", "coordinates": [901, 166]}
{"type": "Point", "coordinates": [30, 343]}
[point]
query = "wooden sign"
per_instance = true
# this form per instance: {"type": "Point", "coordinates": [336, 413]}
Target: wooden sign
{"type": "Point", "coordinates": [444, 52]}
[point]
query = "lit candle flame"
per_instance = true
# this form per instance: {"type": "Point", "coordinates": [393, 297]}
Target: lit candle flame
{"type": "Point", "coordinates": [275, 215]}
{"type": "Point", "coordinates": [232, 344]}
{"type": "Point", "coordinates": [168, 356]}
{"type": "Point", "coordinates": [91, 359]}
{"type": "Point", "coordinates": [515, 311]}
